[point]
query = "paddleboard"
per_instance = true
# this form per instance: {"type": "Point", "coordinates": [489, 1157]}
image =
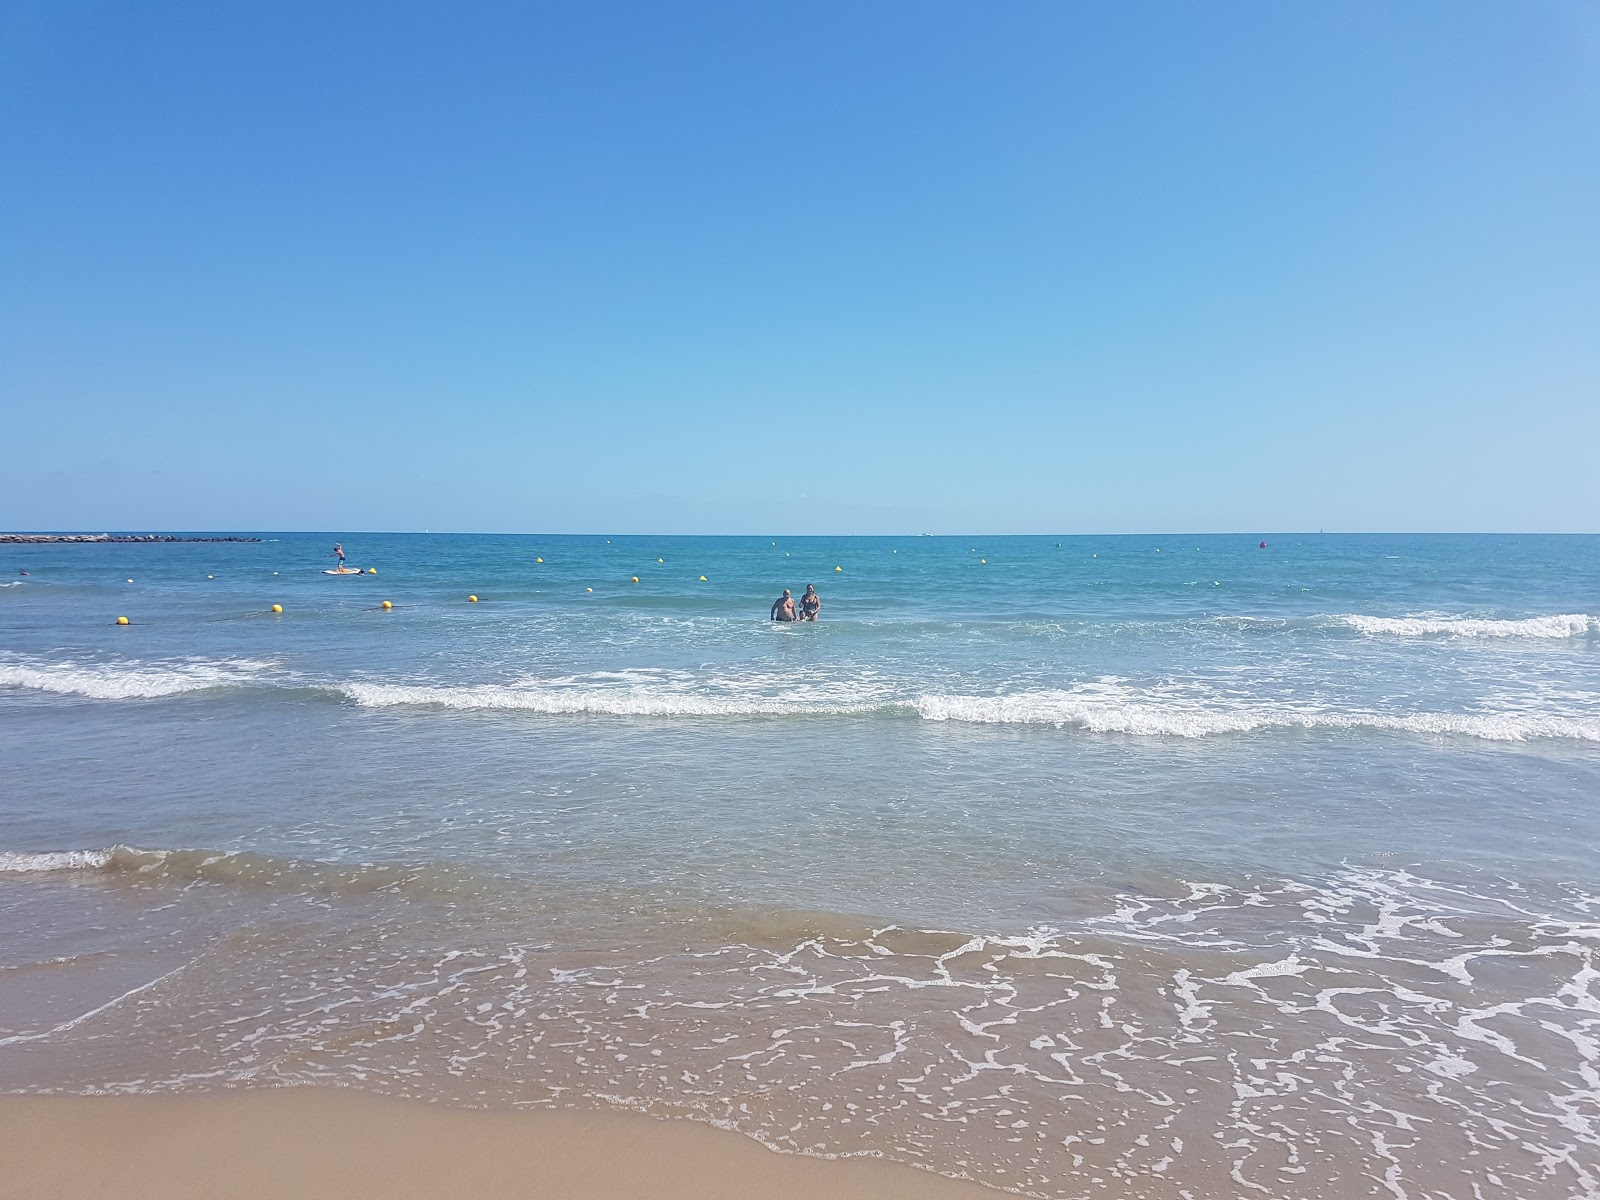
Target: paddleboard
{"type": "Point", "coordinates": [343, 571]}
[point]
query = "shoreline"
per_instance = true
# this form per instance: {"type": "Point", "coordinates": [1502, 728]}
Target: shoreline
{"type": "Point", "coordinates": [335, 1144]}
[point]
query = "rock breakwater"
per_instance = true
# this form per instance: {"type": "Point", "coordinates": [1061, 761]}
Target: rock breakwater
{"type": "Point", "coordinates": [35, 538]}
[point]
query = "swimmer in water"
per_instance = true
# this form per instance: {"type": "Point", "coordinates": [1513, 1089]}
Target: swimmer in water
{"type": "Point", "coordinates": [810, 604]}
{"type": "Point", "coordinates": [783, 607]}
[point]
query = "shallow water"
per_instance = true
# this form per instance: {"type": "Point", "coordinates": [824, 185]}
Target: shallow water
{"type": "Point", "coordinates": [1158, 865]}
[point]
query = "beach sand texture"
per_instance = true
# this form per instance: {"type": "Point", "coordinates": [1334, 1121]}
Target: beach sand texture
{"type": "Point", "coordinates": [322, 1144]}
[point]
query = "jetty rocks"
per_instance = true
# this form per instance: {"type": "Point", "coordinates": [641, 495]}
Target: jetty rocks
{"type": "Point", "coordinates": [34, 538]}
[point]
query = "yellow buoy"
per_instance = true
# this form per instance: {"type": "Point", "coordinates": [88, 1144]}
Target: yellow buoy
{"type": "Point", "coordinates": [983, 562]}
{"type": "Point", "coordinates": [838, 568]}
{"type": "Point", "coordinates": [661, 560]}
{"type": "Point", "coordinates": [702, 579]}
{"type": "Point", "coordinates": [538, 560]}
{"type": "Point", "coordinates": [122, 620]}
{"type": "Point", "coordinates": [636, 579]}
{"type": "Point", "coordinates": [588, 589]}
{"type": "Point", "coordinates": [386, 604]}
{"type": "Point", "coordinates": [472, 599]}
{"type": "Point", "coordinates": [372, 570]}
{"type": "Point", "coordinates": [277, 608]}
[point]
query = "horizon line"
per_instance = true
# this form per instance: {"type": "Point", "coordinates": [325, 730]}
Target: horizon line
{"type": "Point", "coordinates": [149, 531]}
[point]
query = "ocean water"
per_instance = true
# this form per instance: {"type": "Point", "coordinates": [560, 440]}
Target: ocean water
{"type": "Point", "coordinates": [1138, 866]}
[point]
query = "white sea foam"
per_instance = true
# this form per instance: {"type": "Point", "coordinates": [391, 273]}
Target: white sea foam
{"type": "Point", "coordinates": [595, 702]}
{"type": "Point", "coordinates": [1561, 625]}
{"type": "Point", "coordinates": [1104, 706]}
{"type": "Point", "coordinates": [127, 679]}
{"type": "Point", "coordinates": [569, 702]}
{"type": "Point", "coordinates": [1247, 1030]}
{"type": "Point", "coordinates": [61, 860]}
{"type": "Point", "coordinates": [641, 693]}
{"type": "Point", "coordinates": [1108, 706]}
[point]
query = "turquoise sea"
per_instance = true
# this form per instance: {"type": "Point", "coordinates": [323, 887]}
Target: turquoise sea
{"type": "Point", "coordinates": [1142, 866]}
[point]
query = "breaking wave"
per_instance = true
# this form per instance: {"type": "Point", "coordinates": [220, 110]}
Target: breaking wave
{"type": "Point", "coordinates": [130, 680]}
{"type": "Point", "coordinates": [1201, 706]}
{"type": "Point", "coordinates": [641, 694]}
{"type": "Point", "coordinates": [1562, 625]}
{"type": "Point", "coordinates": [1108, 706]}
{"type": "Point", "coordinates": [1097, 711]}
{"type": "Point", "coordinates": [59, 860]}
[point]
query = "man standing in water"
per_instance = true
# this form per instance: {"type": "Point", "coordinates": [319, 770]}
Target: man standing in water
{"type": "Point", "coordinates": [810, 604]}
{"type": "Point", "coordinates": [783, 607]}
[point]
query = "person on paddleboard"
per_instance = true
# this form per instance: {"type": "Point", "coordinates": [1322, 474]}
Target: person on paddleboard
{"type": "Point", "coordinates": [810, 604]}
{"type": "Point", "coordinates": [783, 607]}
{"type": "Point", "coordinates": [338, 552]}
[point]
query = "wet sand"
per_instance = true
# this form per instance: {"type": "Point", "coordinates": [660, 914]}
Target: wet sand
{"type": "Point", "coordinates": [323, 1144]}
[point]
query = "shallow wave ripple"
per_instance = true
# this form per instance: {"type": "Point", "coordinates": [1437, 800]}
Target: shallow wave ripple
{"type": "Point", "coordinates": [242, 869]}
{"type": "Point", "coordinates": [1379, 1033]}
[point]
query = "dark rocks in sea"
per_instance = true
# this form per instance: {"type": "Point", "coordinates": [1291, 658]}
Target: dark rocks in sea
{"type": "Point", "coordinates": [33, 538]}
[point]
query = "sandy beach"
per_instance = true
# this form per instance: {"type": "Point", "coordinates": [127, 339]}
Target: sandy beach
{"type": "Point", "coordinates": [314, 1143]}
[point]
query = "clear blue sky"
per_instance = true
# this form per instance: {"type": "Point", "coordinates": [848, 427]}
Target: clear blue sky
{"type": "Point", "coordinates": [832, 267]}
